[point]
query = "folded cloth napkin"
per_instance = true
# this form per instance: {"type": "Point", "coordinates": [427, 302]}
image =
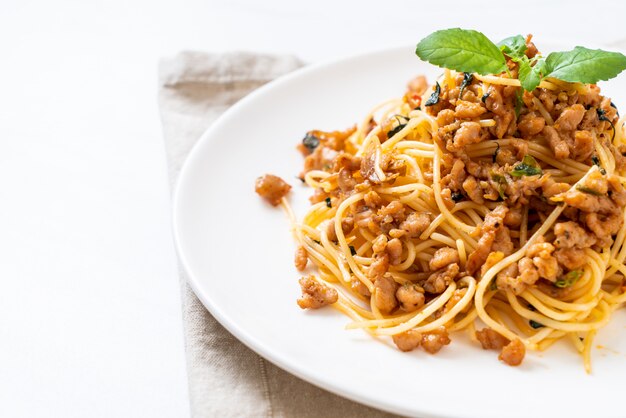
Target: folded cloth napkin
{"type": "Point", "coordinates": [226, 379]}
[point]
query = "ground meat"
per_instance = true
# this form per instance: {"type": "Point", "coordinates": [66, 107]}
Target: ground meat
{"type": "Point", "coordinates": [502, 241]}
{"type": "Point", "coordinates": [347, 224]}
{"type": "Point", "coordinates": [513, 353]}
{"type": "Point", "coordinates": [551, 188]}
{"type": "Point", "coordinates": [571, 235]}
{"type": "Point", "coordinates": [454, 180]}
{"type": "Point", "coordinates": [597, 183]}
{"type": "Point", "coordinates": [528, 271]}
{"type": "Point", "coordinates": [491, 340]}
{"type": "Point", "coordinates": [315, 294]}
{"type": "Point", "coordinates": [508, 279]}
{"type": "Point", "coordinates": [394, 249]}
{"type": "Point", "coordinates": [570, 118]}
{"type": "Point", "coordinates": [334, 140]}
{"type": "Point", "coordinates": [385, 294]}
{"type": "Point", "coordinates": [439, 280]}
{"type": "Point", "coordinates": [322, 158]}
{"type": "Point", "coordinates": [493, 221]}
{"type": "Point", "coordinates": [379, 244]}
{"type": "Point", "coordinates": [468, 133]}
{"type": "Point", "coordinates": [395, 209]}
{"type": "Point", "coordinates": [434, 340]}
{"type": "Point", "coordinates": [415, 224]}
{"type": "Point", "coordinates": [479, 255]}
{"type": "Point", "coordinates": [410, 296]}
{"type": "Point", "coordinates": [301, 258]}
{"type": "Point", "coordinates": [319, 195]}
{"type": "Point", "coordinates": [359, 287]}
{"type": "Point", "coordinates": [618, 192]}
{"type": "Point", "coordinates": [583, 145]}
{"type": "Point", "coordinates": [570, 258]}
{"type": "Point", "coordinates": [492, 259]}
{"type": "Point", "coordinates": [603, 225]}
{"type": "Point", "coordinates": [530, 124]}
{"type": "Point", "coordinates": [514, 217]}
{"type": "Point", "coordinates": [557, 144]}
{"type": "Point", "coordinates": [272, 188]}
{"type": "Point", "coordinates": [345, 180]}
{"type": "Point", "coordinates": [345, 160]}
{"type": "Point", "coordinates": [443, 257]}
{"type": "Point", "coordinates": [541, 254]}
{"type": "Point", "coordinates": [379, 266]}
{"type": "Point", "coordinates": [587, 202]}
{"type": "Point", "coordinates": [372, 199]}
{"type": "Point", "coordinates": [468, 110]}
{"type": "Point", "coordinates": [473, 190]}
{"type": "Point", "coordinates": [505, 156]}
{"type": "Point", "coordinates": [408, 340]}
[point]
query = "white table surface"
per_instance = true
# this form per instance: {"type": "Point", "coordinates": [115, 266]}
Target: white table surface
{"type": "Point", "coordinates": [90, 320]}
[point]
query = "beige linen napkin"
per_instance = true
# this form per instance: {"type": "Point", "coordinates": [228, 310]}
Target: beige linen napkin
{"type": "Point", "coordinates": [226, 379]}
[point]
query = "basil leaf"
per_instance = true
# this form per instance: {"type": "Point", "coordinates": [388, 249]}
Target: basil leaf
{"type": "Point", "coordinates": [513, 46]}
{"type": "Point", "coordinates": [529, 77]}
{"type": "Point", "coordinates": [462, 50]}
{"type": "Point", "coordinates": [434, 98]}
{"type": "Point", "coordinates": [584, 65]}
{"type": "Point", "coordinates": [528, 167]}
{"type": "Point", "coordinates": [569, 279]}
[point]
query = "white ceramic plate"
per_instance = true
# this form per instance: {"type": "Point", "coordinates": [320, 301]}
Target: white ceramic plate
{"type": "Point", "coordinates": [238, 253]}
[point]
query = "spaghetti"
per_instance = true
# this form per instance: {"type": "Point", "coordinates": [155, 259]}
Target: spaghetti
{"type": "Point", "coordinates": [483, 204]}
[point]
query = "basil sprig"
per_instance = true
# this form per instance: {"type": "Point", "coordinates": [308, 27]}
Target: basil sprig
{"type": "Point", "coordinates": [470, 51]}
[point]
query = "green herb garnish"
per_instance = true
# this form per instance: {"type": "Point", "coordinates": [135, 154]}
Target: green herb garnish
{"type": "Point", "coordinates": [588, 190]}
{"type": "Point", "coordinates": [535, 325]}
{"type": "Point", "coordinates": [457, 197]}
{"type": "Point", "coordinates": [395, 130]}
{"type": "Point", "coordinates": [513, 45]}
{"type": "Point", "coordinates": [596, 162]}
{"type": "Point", "coordinates": [434, 98]}
{"type": "Point", "coordinates": [496, 152]}
{"type": "Point", "coordinates": [467, 79]}
{"type": "Point", "coordinates": [602, 116]}
{"type": "Point", "coordinates": [398, 128]}
{"type": "Point", "coordinates": [310, 142]}
{"type": "Point", "coordinates": [569, 279]}
{"type": "Point", "coordinates": [501, 181]}
{"type": "Point", "coordinates": [470, 51]}
{"type": "Point", "coordinates": [528, 167]}
{"type": "Point", "coordinates": [328, 204]}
